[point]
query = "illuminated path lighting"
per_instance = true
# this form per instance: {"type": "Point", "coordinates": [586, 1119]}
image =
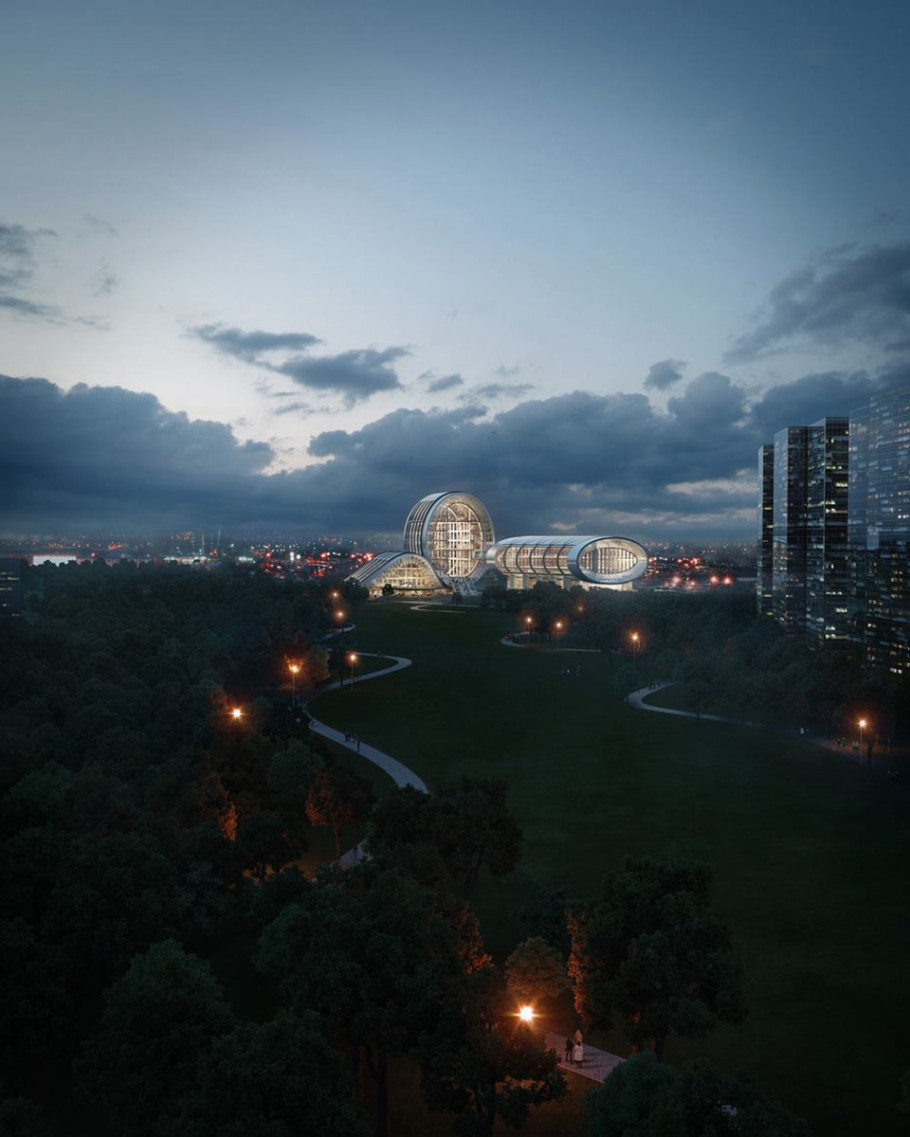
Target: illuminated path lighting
{"type": "Point", "coordinates": [236, 714]}
{"type": "Point", "coordinates": [526, 1014]}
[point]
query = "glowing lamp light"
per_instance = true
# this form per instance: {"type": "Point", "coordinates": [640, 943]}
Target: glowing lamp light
{"type": "Point", "coordinates": [526, 1014]}
{"type": "Point", "coordinates": [862, 723]}
{"type": "Point", "coordinates": [236, 714]}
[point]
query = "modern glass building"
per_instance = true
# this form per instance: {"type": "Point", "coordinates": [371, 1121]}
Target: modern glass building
{"type": "Point", "coordinates": [613, 562]}
{"type": "Point", "coordinates": [839, 500]}
{"type": "Point", "coordinates": [879, 529]}
{"type": "Point", "coordinates": [827, 551]}
{"type": "Point", "coordinates": [452, 530]}
{"type": "Point", "coordinates": [449, 544]}
{"type": "Point", "coordinates": [788, 565]}
{"type": "Point", "coordinates": [764, 567]}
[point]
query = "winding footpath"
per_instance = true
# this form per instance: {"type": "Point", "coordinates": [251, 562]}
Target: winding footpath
{"type": "Point", "coordinates": [637, 699]}
{"type": "Point", "coordinates": [397, 771]}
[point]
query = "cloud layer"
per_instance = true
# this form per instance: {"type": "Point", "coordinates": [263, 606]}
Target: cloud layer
{"type": "Point", "coordinates": [848, 293]}
{"type": "Point", "coordinates": [99, 458]}
{"type": "Point", "coordinates": [355, 374]}
{"type": "Point", "coordinates": [18, 246]}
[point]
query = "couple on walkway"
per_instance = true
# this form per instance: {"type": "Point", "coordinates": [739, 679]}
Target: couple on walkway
{"type": "Point", "coordinates": [575, 1051]}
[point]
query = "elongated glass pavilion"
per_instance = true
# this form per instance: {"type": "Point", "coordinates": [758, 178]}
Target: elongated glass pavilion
{"type": "Point", "coordinates": [449, 544]}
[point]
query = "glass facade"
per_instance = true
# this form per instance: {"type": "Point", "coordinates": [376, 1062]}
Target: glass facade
{"type": "Point", "coordinates": [764, 587]}
{"type": "Point", "coordinates": [452, 530]}
{"type": "Point", "coordinates": [788, 567]}
{"type": "Point", "coordinates": [407, 573]}
{"type": "Point", "coordinates": [609, 561]}
{"type": "Point", "coordinates": [450, 536]}
{"type": "Point", "coordinates": [879, 531]}
{"type": "Point", "coordinates": [827, 551]}
{"type": "Point", "coordinates": [839, 500]}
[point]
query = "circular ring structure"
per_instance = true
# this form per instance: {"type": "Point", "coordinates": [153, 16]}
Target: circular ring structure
{"type": "Point", "coordinates": [452, 530]}
{"type": "Point", "coordinates": [594, 560]}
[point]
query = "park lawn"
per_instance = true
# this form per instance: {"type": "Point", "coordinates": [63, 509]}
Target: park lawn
{"type": "Point", "coordinates": [808, 851]}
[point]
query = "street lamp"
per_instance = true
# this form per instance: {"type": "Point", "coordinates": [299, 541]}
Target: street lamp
{"type": "Point", "coordinates": [526, 1014]}
{"type": "Point", "coordinates": [352, 659]}
{"type": "Point", "coordinates": [862, 724]}
{"type": "Point", "coordinates": [636, 639]}
{"type": "Point", "coordinates": [529, 620]}
{"type": "Point", "coordinates": [293, 668]}
{"type": "Point", "coordinates": [557, 627]}
{"type": "Point", "coordinates": [236, 714]}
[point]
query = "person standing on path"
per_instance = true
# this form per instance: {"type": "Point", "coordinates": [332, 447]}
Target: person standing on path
{"type": "Point", "coordinates": [578, 1054]}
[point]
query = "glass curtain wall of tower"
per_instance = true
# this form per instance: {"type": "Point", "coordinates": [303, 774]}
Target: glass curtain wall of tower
{"type": "Point", "coordinates": [765, 567]}
{"type": "Point", "coordinates": [789, 542]}
{"type": "Point", "coordinates": [827, 552]}
{"type": "Point", "coordinates": [880, 531]}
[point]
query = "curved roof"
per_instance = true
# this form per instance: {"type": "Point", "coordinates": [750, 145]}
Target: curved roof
{"type": "Point", "coordinates": [596, 560]}
{"type": "Point", "coordinates": [383, 563]}
{"type": "Point", "coordinates": [452, 530]}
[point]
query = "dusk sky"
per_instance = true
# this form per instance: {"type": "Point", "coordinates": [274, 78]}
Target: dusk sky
{"type": "Point", "coordinates": [290, 266]}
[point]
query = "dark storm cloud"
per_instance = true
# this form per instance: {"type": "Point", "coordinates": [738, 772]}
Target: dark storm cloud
{"type": "Point", "coordinates": [848, 293]}
{"type": "Point", "coordinates": [251, 346]}
{"type": "Point", "coordinates": [104, 457]}
{"type": "Point", "coordinates": [443, 382]}
{"type": "Point", "coordinates": [356, 374]}
{"type": "Point", "coordinates": [17, 267]}
{"type": "Point", "coordinates": [663, 374]}
{"type": "Point", "coordinates": [812, 397]}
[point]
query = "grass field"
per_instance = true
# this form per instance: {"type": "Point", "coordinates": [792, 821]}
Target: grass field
{"type": "Point", "coordinates": [808, 852]}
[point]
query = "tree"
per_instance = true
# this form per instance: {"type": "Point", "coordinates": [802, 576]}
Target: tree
{"type": "Point", "coordinates": [387, 589]}
{"type": "Point", "coordinates": [645, 1098]}
{"type": "Point", "coordinates": [535, 972]}
{"type": "Point", "coordinates": [158, 1022]}
{"type": "Point", "coordinates": [263, 845]}
{"type": "Point", "coordinates": [373, 954]}
{"type": "Point", "coordinates": [448, 838]}
{"type": "Point", "coordinates": [339, 797]}
{"type": "Point", "coordinates": [274, 1079]}
{"type": "Point", "coordinates": [481, 1063]}
{"type": "Point", "coordinates": [651, 949]}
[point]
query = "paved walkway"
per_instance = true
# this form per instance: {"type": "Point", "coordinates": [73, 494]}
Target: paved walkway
{"type": "Point", "coordinates": [510, 641]}
{"type": "Point", "coordinates": [397, 771]}
{"type": "Point", "coordinates": [596, 1064]}
{"type": "Point", "coordinates": [637, 699]}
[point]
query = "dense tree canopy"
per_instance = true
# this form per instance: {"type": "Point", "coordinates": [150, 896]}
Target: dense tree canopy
{"type": "Point", "coordinates": [650, 950]}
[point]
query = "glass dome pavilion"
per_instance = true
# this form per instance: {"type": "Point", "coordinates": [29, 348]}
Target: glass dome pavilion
{"type": "Point", "coordinates": [449, 544]}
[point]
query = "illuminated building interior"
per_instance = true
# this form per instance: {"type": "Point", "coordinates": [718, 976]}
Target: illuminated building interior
{"type": "Point", "coordinates": [449, 545]}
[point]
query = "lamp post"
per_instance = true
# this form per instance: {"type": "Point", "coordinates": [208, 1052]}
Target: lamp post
{"type": "Point", "coordinates": [293, 668]}
{"type": "Point", "coordinates": [636, 639]}
{"type": "Point", "coordinates": [236, 714]}
{"type": "Point", "coordinates": [529, 620]}
{"type": "Point", "coordinates": [352, 659]}
{"type": "Point", "coordinates": [557, 627]}
{"type": "Point", "coordinates": [862, 724]}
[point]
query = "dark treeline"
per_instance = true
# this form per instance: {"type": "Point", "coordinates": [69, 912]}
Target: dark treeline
{"type": "Point", "coordinates": [170, 970]}
{"type": "Point", "coordinates": [728, 660]}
